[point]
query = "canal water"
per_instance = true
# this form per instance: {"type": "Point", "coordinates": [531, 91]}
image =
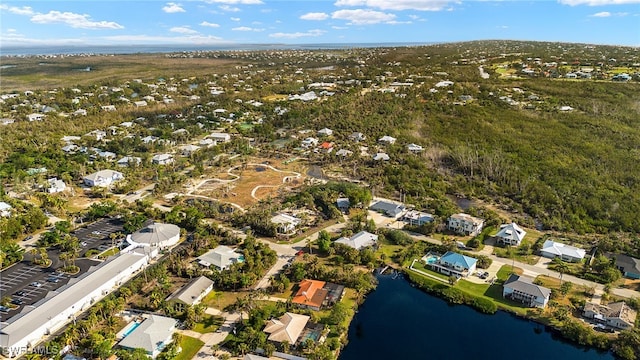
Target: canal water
{"type": "Point", "coordinates": [398, 321]}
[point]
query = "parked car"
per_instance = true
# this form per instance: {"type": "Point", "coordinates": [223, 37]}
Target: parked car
{"type": "Point", "coordinates": [4, 308]}
{"type": "Point", "coordinates": [484, 275]}
{"type": "Point", "coordinates": [96, 232]}
{"type": "Point", "coordinates": [17, 301]}
{"type": "Point", "coordinates": [20, 293]}
{"type": "Point", "coordinates": [53, 279]}
{"type": "Point", "coordinates": [35, 284]}
{"type": "Point", "coordinates": [28, 238]}
{"type": "Point", "coordinates": [84, 243]}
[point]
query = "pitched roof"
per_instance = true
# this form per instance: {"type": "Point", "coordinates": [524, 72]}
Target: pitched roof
{"type": "Point", "coordinates": [192, 291]}
{"type": "Point", "coordinates": [628, 263]}
{"type": "Point", "coordinates": [561, 249]}
{"type": "Point", "coordinates": [359, 240]}
{"type": "Point", "coordinates": [511, 231]}
{"type": "Point", "coordinates": [387, 207]}
{"type": "Point", "coordinates": [153, 331]}
{"type": "Point", "coordinates": [310, 293]}
{"type": "Point", "coordinates": [222, 256]}
{"type": "Point", "coordinates": [526, 285]}
{"type": "Point", "coordinates": [467, 218]}
{"type": "Point", "coordinates": [457, 259]}
{"type": "Point", "coordinates": [613, 310]}
{"type": "Point", "coordinates": [287, 328]}
{"type": "Point", "coordinates": [156, 233]}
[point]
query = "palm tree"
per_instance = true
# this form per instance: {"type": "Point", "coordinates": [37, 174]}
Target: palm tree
{"type": "Point", "coordinates": [560, 267]}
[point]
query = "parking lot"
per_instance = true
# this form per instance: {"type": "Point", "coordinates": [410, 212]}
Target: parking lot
{"type": "Point", "coordinates": [96, 236]}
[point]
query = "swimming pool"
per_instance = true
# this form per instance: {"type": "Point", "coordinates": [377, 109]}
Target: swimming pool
{"type": "Point", "coordinates": [313, 335]}
{"type": "Point", "coordinates": [129, 328]}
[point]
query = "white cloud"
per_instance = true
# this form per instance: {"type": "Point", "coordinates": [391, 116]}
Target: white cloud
{"type": "Point", "coordinates": [145, 39]}
{"type": "Point", "coordinates": [602, 14]}
{"type": "Point", "coordinates": [183, 30]}
{"type": "Point", "coordinates": [246, 28]}
{"type": "Point", "coordinates": [395, 22]}
{"type": "Point", "coordinates": [295, 35]}
{"type": "Point", "coordinates": [597, 2]}
{"type": "Point", "coordinates": [208, 24]}
{"type": "Point", "coordinates": [229, 8]}
{"type": "Point", "coordinates": [363, 17]}
{"type": "Point", "coordinates": [339, 27]}
{"type": "Point", "coordinates": [420, 5]}
{"type": "Point", "coordinates": [314, 16]}
{"type": "Point", "coordinates": [239, 2]}
{"type": "Point", "coordinates": [172, 8]}
{"type": "Point", "coordinates": [235, 19]}
{"type": "Point", "coordinates": [414, 17]}
{"type": "Point", "coordinates": [79, 21]}
{"type": "Point", "coordinates": [25, 10]}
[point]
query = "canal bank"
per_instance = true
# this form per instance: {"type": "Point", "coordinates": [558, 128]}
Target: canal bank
{"type": "Point", "coordinates": [399, 321]}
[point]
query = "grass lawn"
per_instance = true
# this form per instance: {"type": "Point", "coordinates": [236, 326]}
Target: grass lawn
{"type": "Point", "coordinates": [491, 292]}
{"type": "Point", "coordinates": [109, 252]}
{"type": "Point", "coordinates": [503, 252]}
{"type": "Point", "coordinates": [310, 231]}
{"type": "Point", "coordinates": [389, 250]}
{"type": "Point", "coordinates": [190, 347]}
{"type": "Point", "coordinates": [506, 270]}
{"type": "Point", "coordinates": [419, 265]}
{"type": "Point", "coordinates": [226, 298]}
{"type": "Point", "coordinates": [209, 324]}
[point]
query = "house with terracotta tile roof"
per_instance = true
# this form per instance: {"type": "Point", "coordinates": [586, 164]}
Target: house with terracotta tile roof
{"type": "Point", "coordinates": [314, 294]}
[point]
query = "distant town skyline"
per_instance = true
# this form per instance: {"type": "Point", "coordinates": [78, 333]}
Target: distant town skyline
{"type": "Point", "coordinates": [228, 22]}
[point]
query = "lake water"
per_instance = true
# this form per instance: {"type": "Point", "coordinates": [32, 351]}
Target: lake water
{"type": "Point", "coordinates": [398, 321]}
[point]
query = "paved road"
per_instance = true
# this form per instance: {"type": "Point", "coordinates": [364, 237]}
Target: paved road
{"type": "Point", "coordinates": [215, 338]}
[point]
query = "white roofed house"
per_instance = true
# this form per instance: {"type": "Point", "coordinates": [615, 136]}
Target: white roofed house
{"type": "Point", "coordinates": [285, 224]}
{"type": "Point", "coordinates": [187, 150]}
{"type": "Point", "coordinates": [156, 235]}
{"type": "Point", "coordinates": [193, 292]}
{"type": "Point", "coordinates": [325, 132]}
{"type": "Point", "coordinates": [381, 157]}
{"type": "Point", "coordinates": [220, 137]}
{"type": "Point", "coordinates": [162, 159]}
{"type": "Point", "coordinates": [129, 160]}
{"type": "Point", "coordinates": [617, 314]}
{"type": "Point", "coordinates": [360, 240]}
{"type": "Point", "coordinates": [56, 186]}
{"type": "Point", "coordinates": [551, 249]}
{"type": "Point", "coordinates": [387, 140]}
{"type": "Point", "coordinates": [153, 335]}
{"type": "Point", "coordinates": [5, 209]}
{"type": "Point", "coordinates": [222, 257]}
{"type": "Point", "coordinates": [414, 148]}
{"type": "Point", "coordinates": [465, 224]}
{"type": "Point", "coordinates": [102, 178]}
{"type": "Point", "coordinates": [36, 117]}
{"type": "Point", "coordinates": [510, 234]}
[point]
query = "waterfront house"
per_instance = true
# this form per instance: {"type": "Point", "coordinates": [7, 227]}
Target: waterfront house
{"type": "Point", "coordinates": [522, 289]}
{"type": "Point", "coordinates": [617, 315]}
{"type": "Point", "coordinates": [359, 241]}
{"type": "Point", "coordinates": [629, 266]}
{"type": "Point", "coordinates": [287, 328]}
{"type": "Point", "coordinates": [193, 292]}
{"type": "Point", "coordinates": [551, 249]}
{"type": "Point", "coordinates": [314, 294]}
{"type": "Point", "coordinates": [465, 224]}
{"type": "Point", "coordinates": [452, 263]}
{"type": "Point", "coordinates": [510, 234]}
{"type": "Point", "coordinates": [152, 335]}
{"type": "Point", "coordinates": [222, 257]}
{"type": "Point", "coordinates": [102, 178]}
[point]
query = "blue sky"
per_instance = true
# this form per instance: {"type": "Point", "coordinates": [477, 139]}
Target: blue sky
{"type": "Point", "coordinates": [213, 22]}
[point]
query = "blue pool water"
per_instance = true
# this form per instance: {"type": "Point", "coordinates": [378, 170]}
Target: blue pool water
{"type": "Point", "coordinates": [130, 329]}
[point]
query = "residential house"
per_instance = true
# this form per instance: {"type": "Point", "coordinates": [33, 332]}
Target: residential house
{"type": "Point", "coordinates": [551, 249]}
{"type": "Point", "coordinates": [418, 218]}
{"type": "Point", "coordinates": [129, 160]}
{"type": "Point", "coordinates": [70, 149]}
{"type": "Point", "coordinates": [343, 204]}
{"type": "Point", "coordinates": [389, 140]}
{"type": "Point", "coordinates": [56, 186]}
{"type": "Point", "coordinates": [629, 266]}
{"type": "Point", "coordinates": [325, 132]}
{"type": "Point", "coordinates": [108, 108]}
{"type": "Point", "coordinates": [617, 315]}
{"type": "Point", "coordinates": [187, 150]}
{"type": "Point", "coordinates": [102, 178]}
{"type": "Point", "coordinates": [388, 208]}
{"type": "Point", "coordinates": [309, 142]}
{"type": "Point", "coordinates": [381, 157]}
{"type": "Point", "coordinates": [80, 112]}
{"type": "Point", "coordinates": [360, 240]}
{"type": "Point", "coordinates": [140, 103]}
{"type": "Point", "coordinates": [162, 159]}
{"type": "Point", "coordinates": [510, 234]}
{"type": "Point", "coordinates": [193, 292]}
{"type": "Point", "coordinates": [452, 263]}
{"type": "Point", "coordinates": [314, 294]}
{"type": "Point", "coordinates": [207, 142]}
{"type": "Point", "coordinates": [36, 117]}
{"type": "Point", "coordinates": [222, 257]}
{"type": "Point", "coordinates": [5, 209]}
{"type": "Point", "coordinates": [344, 153]}
{"type": "Point", "coordinates": [285, 224]}
{"type": "Point", "coordinates": [357, 136]}
{"type": "Point", "coordinates": [152, 335]}
{"type": "Point", "coordinates": [149, 139]}
{"type": "Point", "coordinates": [220, 137]}
{"type": "Point", "coordinates": [522, 289]}
{"type": "Point", "coordinates": [465, 224]}
{"type": "Point", "coordinates": [287, 328]}
{"type": "Point", "coordinates": [414, 148]}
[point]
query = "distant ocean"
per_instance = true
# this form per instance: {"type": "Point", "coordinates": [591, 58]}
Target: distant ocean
{"type": "Point", "coordinates": [137, 49]}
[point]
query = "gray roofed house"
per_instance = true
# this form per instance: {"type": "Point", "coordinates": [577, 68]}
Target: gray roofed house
{"type": "Point", "coordinates": [522, 289]}
{"type": "Point", "coordinates": [222, 257]}
{"type": "Point", "coordinates": [629, 266]}
{"type": "Point", "coordinates": [388, 208]}
{"type": "Point", "coordinates": [152, 335]}
{"type": "Point", "coordinates": [193, 292]}
{"type": "Point", "coordinates": [360, 240]}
